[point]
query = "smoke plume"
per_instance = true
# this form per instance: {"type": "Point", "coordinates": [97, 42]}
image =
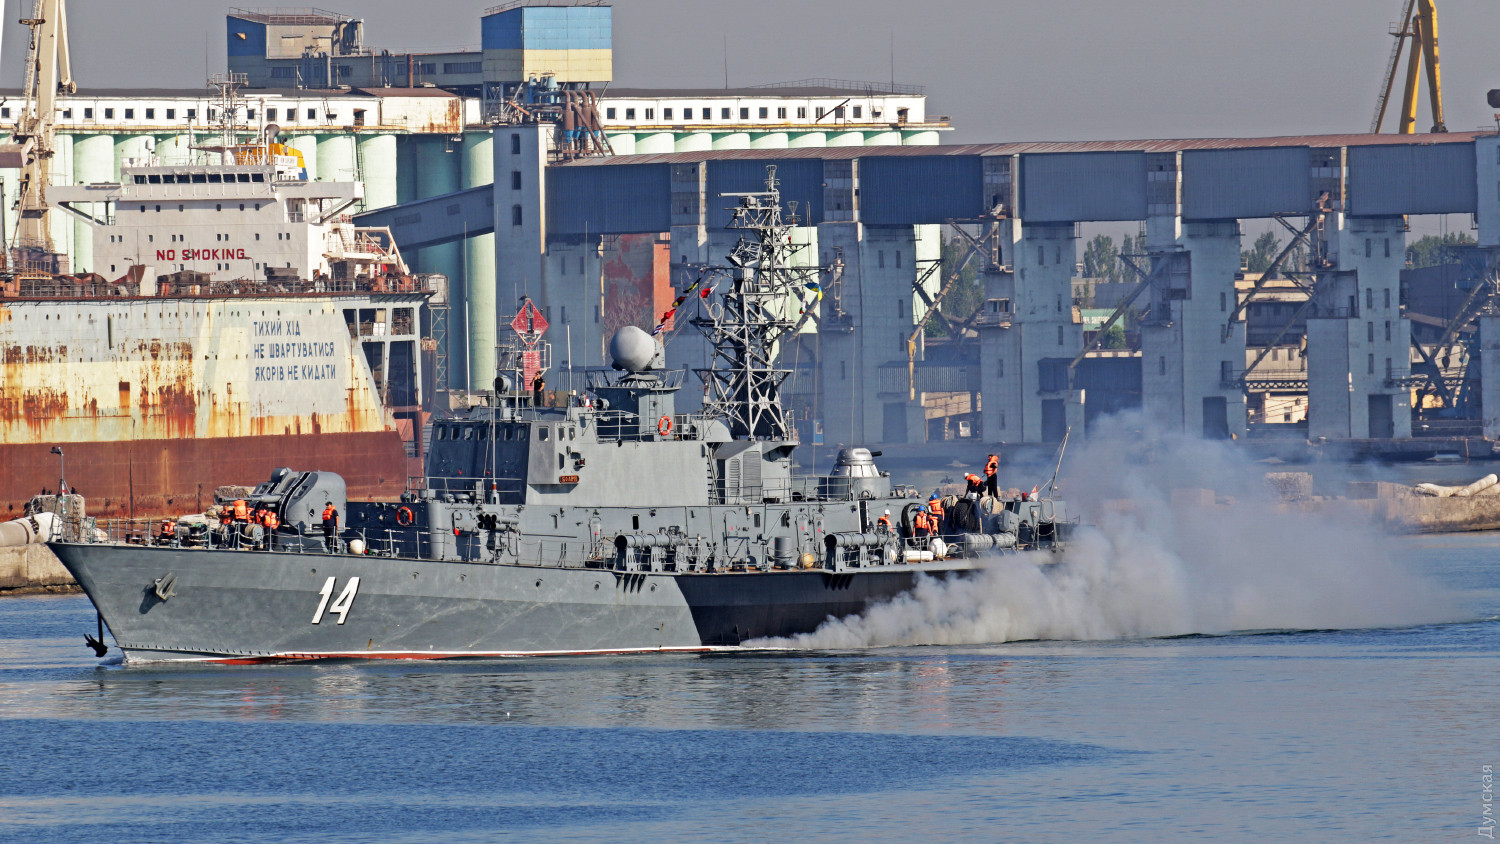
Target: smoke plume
{"type": "Point", "coordinates": [1149, 565]}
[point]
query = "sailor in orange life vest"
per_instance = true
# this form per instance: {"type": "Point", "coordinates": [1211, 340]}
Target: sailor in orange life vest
{"type": "Point", "coordinates": [168, 532]}
{"type": "Point", "coordinates": [935, 511]}
{"type": "Point", "coordinates": [991, 482]}
{"type": "Point", "coordinates": [270, 522]}
{"type": "Point", "coordinates": [883, 524]}
{"type": "Point", "coordinates": [921, 526]}
{"type": "Point", "coordinates": [976, 486]}
{"type": "Point", "coordinates": [330, 526]}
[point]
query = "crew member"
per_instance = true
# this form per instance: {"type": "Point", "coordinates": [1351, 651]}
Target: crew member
{"type": "Point", "coordinates": [330, 526]}
{"type": "Point", "coordinates": [270, 523]}
{"type": "Point", "coordinates": [991, 482]}
{"type": "Point", "coordinates": [168, 531]}
{"type": "Point", "coordinates": [976, 485]}
{"type": "Point", "coordinates": [226, 524]}
{"type": "Point", "coordinates": [883, 524]}
{"type": "Point", "coordinates": [921, 526]}
{"type": "Point", "coordinates": [935, 510]}
{"type": "Point", "coordinates": [538, 386]}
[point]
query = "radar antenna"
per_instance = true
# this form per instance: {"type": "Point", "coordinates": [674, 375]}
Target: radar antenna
{"type": "Point", "coordinates": [756, 313]}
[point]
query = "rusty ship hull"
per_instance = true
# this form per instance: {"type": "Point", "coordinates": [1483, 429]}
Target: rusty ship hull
{"type": "Point", "coordinates": [157, 401]}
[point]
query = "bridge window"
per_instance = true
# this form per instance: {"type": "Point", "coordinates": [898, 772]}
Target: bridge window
{"type": "Point", "coordinates": [515, 215]}
{"type": "Point", "coordinates": [802, 113]}
{"type": "Point", "coordinates": [88, 114]}
{"type": "Point", "coordinates": [609, 114]}
{"type": "Point", "coordinates": [687, 114]}
{"type": "Point", "coordinates": [666, 114]}
{"type": "Point", "coordinates": [270, 114]}
{"type": "Point", "coordinates": [109, 114]}
{"type": "Point", "coordinates": [129, 114]}
{"type": "Point", "coordinates": [150, 114]}
{"type": "Point", "coordinates": [650, 114]}
{"type": "Point", "coordinates": [764, 112]}
{"type": "Point", "coordinates": [629, 114]}
{"type": "Point", "coordinates": [858, 112]}
{"type": "Point", "coordinates": [780, 114]}
{"type": "Point", "coordinates": [724, 114]}
{"type": "Point", "coordinates": [744, 114]}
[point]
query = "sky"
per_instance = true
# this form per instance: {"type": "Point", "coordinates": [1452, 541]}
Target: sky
{"type": "Point", "coordinates": [1002, 70]}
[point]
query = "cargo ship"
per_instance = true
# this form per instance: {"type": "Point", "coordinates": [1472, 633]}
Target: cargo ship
{"type": "Point", "coordinates": [239, 321]}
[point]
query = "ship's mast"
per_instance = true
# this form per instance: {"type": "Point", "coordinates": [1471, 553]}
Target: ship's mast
{"type": "Point", "coordinates": [748, 325]}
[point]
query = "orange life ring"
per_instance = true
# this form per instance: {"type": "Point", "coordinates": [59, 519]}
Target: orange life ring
{"type": "Point", "coordinates": [664, 425]}
{"type": "Point", "coordinates": [404, 516]}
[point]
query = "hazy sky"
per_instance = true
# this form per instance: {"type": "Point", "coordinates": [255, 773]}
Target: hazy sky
{"type": "Point", "coordinates": [1002, 69]}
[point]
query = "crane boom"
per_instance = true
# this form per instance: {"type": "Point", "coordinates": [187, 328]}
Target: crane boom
{"type": "Point", "coordinates": [48, 71]}
{"type": "Point", "coordinates": [1417, 35]}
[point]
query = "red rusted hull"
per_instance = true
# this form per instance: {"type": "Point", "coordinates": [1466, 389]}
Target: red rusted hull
{"type": "Point", "coordinates": [148, 478]}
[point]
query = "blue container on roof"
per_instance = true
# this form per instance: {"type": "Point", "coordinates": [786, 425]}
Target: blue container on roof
{"type": "Point", "coordinates": [1398, 179]}
{"type": "Point", "coordinates": [548, 28]}
{"type": "Point", "coordinates": [1071, 187]}
{"type": "Point", "coordinates": [1237, 184]}
{"type": "Point", "coordinates": [903, 190]}
{"type": "Point", "coordinates": [617, 199]}
{"type": "Point", "coordinates": [801, 181]}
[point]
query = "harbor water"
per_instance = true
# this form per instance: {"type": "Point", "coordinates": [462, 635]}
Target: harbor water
{"type": "Point", "coordinates": [1381, 731]}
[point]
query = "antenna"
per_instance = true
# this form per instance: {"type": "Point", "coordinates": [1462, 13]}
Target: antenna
{"type": "Point", "coordinates": [726, 62]}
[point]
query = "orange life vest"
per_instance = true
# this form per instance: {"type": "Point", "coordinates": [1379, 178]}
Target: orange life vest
{"type": "Point", "coordinates": [270, 520]}
{"type": "Point", "coordinates": [993, 464]}
{"type": "Point", "coordinates": [883, 521]}
{"type": "Point", "coordinates": [329, 514]}
{"type": "Point", "coordinates": [168, 527]}
{"type": "Point", "coordinates": [921, 522]}
{"type": "Point", "coordinates": [241, 511]}
{"type": "Point", "coordinates": [936, 508]}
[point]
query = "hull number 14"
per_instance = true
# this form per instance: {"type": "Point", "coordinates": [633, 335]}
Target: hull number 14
{"type": "Point", "coordinates": [341, 604]}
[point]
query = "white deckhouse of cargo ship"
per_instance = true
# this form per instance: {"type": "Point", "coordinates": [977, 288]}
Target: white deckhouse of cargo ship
{"type": "Point", "coordinates": [251, 214]}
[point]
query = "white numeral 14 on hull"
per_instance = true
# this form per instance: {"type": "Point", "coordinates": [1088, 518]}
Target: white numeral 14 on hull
{"type": "Point", "coordinates": [341, 604]}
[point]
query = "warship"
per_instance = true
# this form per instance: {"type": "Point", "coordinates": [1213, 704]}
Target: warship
{"type": "Point", "coordinates": [611, 524]}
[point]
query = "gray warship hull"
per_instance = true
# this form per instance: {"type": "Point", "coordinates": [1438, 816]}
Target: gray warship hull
{"type": "Point", "coordinates": [251, 606]}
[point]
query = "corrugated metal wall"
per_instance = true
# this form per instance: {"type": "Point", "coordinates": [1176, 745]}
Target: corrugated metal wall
{"type": "Point", "coordinates": [801, 182]}
{"type": "Point", "coordinates": [1388, 181]}
{"type": "Point", "coordinates": [1232, 184]}
{"type": "Point", "coordinates": [1072, 187]}
{"type": "Point", "coordinates": [910, 190]}
{"type": "Point", "coordinates": [624, 199]}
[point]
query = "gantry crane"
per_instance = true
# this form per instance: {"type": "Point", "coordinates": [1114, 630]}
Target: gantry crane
{"type": "Point", "coordinates": [1417, 35]}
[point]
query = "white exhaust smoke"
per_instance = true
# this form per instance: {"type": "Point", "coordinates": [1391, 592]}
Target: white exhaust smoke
{"type": "Point", "coordinates": [1151, 568]}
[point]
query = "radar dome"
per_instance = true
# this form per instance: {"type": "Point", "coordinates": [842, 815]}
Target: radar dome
{"type": "Point", "coordinates": [632, 349]}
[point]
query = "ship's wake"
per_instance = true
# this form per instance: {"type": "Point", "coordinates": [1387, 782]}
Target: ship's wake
{"type": "Point", "coordinates": [1152, 568]}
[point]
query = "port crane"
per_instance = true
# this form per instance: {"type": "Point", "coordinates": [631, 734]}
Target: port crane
{"type": "Point", "coordinates": [48, 73]}
{"type": "Point", "coordinates": [1416, 35]}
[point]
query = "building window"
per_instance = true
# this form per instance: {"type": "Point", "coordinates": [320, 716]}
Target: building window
{"type": "Point", "coordinates": [515, 143]}
{"type": "Point", "coordinates": [1367, 247]}
{"type": "Point", "coordinates": [270, 114]}
{"type": "Point", "coordinates": [1059, 335]}
{"type": "Point", "coordinates": [650, 114]}
{"type": "Point", "coordinates": [838, 112]}
{"type": "Point", "coordinates": [1041, 255]}
{"type": "Point", "coordinates": [192, 114]}
{"type": "Point", "coordinates": [150, 114]}
{"type": "Point", "coordinates": [900, 309]}
{"type": "Point", "coordinates": [1372, 365]}
{"type": "Point", "coordinates": [427, 68]}
{"type": "Point", "coordinates": [515, 180]}
{"type": "Point", "coordinates": [880, 259]}
{"type": "Point", "coordinates": [171, 114]}
{"type": "Point", "coordinates": [1389, 370]}
{"type": "Point", "coordinates": [4, 112]}
{"type": "Point", "coordinates": [312, 114]}
{"type": "Point", "coordinates": [820, 112]}
{"type": "Point", "coordinates": [88, 114]}
{"type": "Point", "coordinates": [515, 215]}
{"type": "Point", "coordinates": [284, 72]}
{"type": "Point", "coordinates": [1369, 332]}
{"type": "Point", "coordinates": [129, 114]}
{"type": "Point", "coordinates": [1387, 331]}
{"type": "Point", "coordinates": [1000, 368]}
{"type": "Point", "coordinates": [629, 114]}
{"type": "Point", "coordinates": [1387, 247]}
{"type": "Point", "coordinates": [109, 114]}
{"type": "Point", "coordinates": [744, 114]}
{"type": "Point", "coordinates": [898, 259]}
{"type": "Point", "coordinates": [666, 114]}
{"type": "Point", "coordinates": [802, 113]}
{"type": "Point", "coordinates": [687, 114]}
{"type": "Point", "coordinates": [1223, 301]}
{"type": "Point", "coordinates": [462, 67]}
{"type": "Point", "coordinates": [859, 111]}
{"type": "Point", "coordinates": [764, 112]}
{"type": "Point", "coordinates": [724, 114]}
{"type": "Point", "coordinates": [609, 114]}
{"type": "Point", "coordinates": [1369, 298]}
{"type": "Point", "coordinates": [780, 114]}
{"type": "Point", "coordinates": [1387, 298]}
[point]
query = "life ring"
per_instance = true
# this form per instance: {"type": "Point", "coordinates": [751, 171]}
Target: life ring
{"type": "Point", "coordinates": [664, 425]}
{"type": "Point", "coordinates": [404, 516]}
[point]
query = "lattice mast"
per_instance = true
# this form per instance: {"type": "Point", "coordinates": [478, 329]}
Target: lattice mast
{"type": "Point", "coordinates": [753, 315]}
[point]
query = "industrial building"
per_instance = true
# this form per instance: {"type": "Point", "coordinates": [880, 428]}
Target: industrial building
{"type": "Point", "coordinates": [506, 206]}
